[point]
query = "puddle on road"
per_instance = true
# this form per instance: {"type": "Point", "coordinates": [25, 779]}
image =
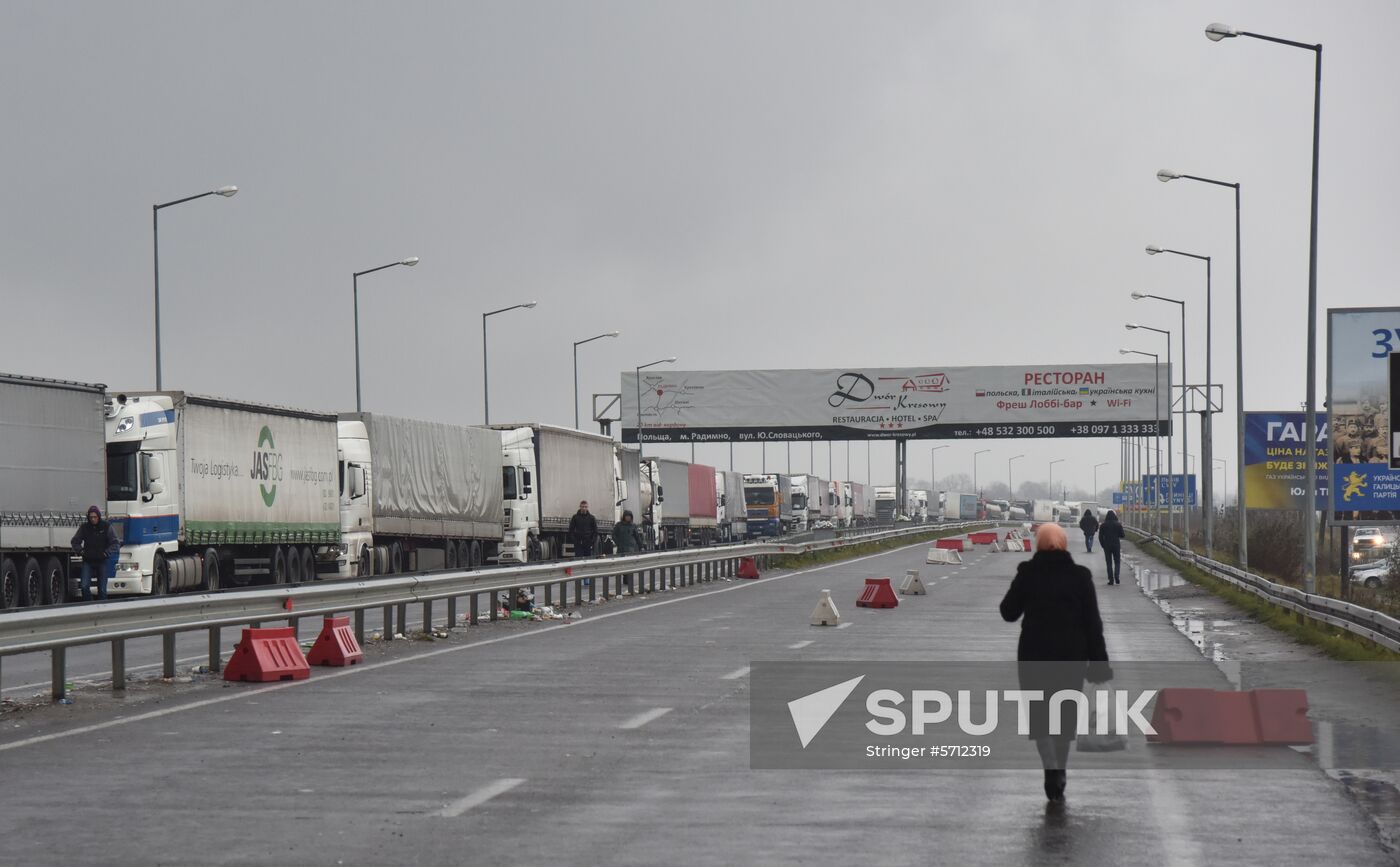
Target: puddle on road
{"type": "Point", "coordinates": [1207, 633]}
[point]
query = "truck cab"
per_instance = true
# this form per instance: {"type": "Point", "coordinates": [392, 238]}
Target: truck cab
{"type": "Point", "coordinates": [356, 556]}
{"type": "Point", "coordinates": [142, 507]}
{"type": "Point", "coordinates": [763, 502]}
{"type": "Point", "coordinates": [799, 502]}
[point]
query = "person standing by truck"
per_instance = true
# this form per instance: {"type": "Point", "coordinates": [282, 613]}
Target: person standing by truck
{"type": "Point", "coordinates": [583, 530]}
{"type": "Point", "coordinates": [626, 536]}
{"type": "Point", "coordinates": [96, 542]}
{"type": "Point", "coordinates": [1090, 525]}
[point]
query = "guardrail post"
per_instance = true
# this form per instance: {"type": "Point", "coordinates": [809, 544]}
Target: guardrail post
{"type": "Point", "coordinates": [451, 612]}
{"type": "Point", "coordinates": [473, 609]}
{"type": "Point", "coordinates": [216, 658]}
{"type": "Point", "coordinates": [388, 623]}
{"type": "Point", "coordinates": [118, 664]}
{"type": "Point", "coordinates": [578, 592]}
{"type": "Point", "coordinates": [360, 626]}
{"type": "Point", "coordinates": [167, 648]}
{"type": "Point", "coordinates": [548, 594]}
{"type": "Point", "coordinates": [428, 615]}
{"type": "Point", "coordinates": [592, 590]}
{"type": "Point", "coordinates": [496, 606]}
{"type": "Point", "coordinates": [58, 661]}
{"type": "Point", "coordinates": [403, 619]}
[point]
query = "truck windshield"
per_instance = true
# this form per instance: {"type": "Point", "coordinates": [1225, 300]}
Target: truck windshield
{"type": "Point", "coordinates": [799, 501]}
{"type": "Point", "coordinates": [123, 483]}
{"type": "Point", "coordinates": [509, 483]}
{"type": "Point", "coordinates": [758, 496]}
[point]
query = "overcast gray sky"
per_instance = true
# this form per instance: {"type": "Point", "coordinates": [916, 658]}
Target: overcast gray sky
{"type": "Point", "coordinates": [776, 184]}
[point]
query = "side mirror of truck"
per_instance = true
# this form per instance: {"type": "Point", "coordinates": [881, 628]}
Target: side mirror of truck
{"type": "Point", "coordinates": [357, 482]}
{"type": "Point", "coordinates": [156, 487]}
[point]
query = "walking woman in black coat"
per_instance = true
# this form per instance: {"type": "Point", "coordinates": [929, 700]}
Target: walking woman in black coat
{"type": "Point", "coordinates": [1061, 643]}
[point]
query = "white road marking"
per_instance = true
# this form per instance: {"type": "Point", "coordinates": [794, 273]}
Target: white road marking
{"type": "Point", "coordinates": [844, 625]}
{"type": "Point", "coordinates": [321, 677]}
{"type": "Point", "coordinates": [642, 719]}
{"type": "Point", "coordinates": [479, 797]}
{"type": "Point", "coordinates": [735, 675]}
{"type": "Point", "coordinates": [799, 645]}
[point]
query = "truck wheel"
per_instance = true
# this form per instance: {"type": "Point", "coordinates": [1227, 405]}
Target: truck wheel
{"type": "Point", "coordinates": [55, 581]}
{"type": "Point", "coordinates": [395, 558]}
{"type": "Point", "coordinates": [210, 571]}
{"type": "Point", "coordinates": [381, 560]}
{"type": "Point", "coordinates": [308, 564]}
{"type": "Point", "coordinates": [475, 555]}
{"type": "Point", "coordinates": [31, 583]}
{"type": "Point", "coordinates": [534, 550]}
{"type": "Point", "coordinates": [293, 566]}
{"type": "Point", "coordinates": [449, 554]}
{"type": "Point", "coordinates": [9, 584]}
{"type": "Point", "coordinates": [277, 567]}
{"type": "Point", "coordinates": [364, 568]}
{"type": "Point", "coordinates": [160, 575]}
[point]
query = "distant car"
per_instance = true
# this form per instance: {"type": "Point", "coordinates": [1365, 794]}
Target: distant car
{"type": "Point", "coordinates": [1371, 575]}
{"type": "Point", "coordinates": [1369, 537]}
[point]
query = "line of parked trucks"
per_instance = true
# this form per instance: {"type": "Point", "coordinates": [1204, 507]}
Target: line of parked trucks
{"type": "Point", "coordinates": [206, 493]}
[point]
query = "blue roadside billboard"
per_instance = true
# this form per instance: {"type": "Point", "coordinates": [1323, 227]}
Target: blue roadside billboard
{"type": "Point", "coordinates": [1275, 460]}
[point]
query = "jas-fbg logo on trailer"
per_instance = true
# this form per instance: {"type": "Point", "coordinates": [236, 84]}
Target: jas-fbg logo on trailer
{"type": "Point", "coordinates": [267, 466]}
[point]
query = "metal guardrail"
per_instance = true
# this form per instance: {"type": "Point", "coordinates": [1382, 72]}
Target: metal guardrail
{"type": "Point", "coordinates": [1358, 620]}
{"type": "Point", "coordinates": [58, 628]}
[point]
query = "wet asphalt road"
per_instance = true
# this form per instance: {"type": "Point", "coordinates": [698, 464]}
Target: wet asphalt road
{"type": "Point", "coordinates": [623, 739]}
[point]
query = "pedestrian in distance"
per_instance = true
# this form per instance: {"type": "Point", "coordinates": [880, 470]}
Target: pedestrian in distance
{"type": "Point", "coordinates": [583, 531]}
{"type": "Point", "coordinates": [1090, 525]}
{"type": "Point", "coordinates": [96, 542]}
{"type": "Point", "coordinates": [1061, 644]}
{"type": "Point", "coordinates": [626, 535]}
{"type": "Point", "coordinates": [1111, 541]}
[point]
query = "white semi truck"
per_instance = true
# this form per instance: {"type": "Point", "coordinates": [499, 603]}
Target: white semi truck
{"type": "Point", "coordinates": [52, 467]}
{"type": "Point", "coordinates": [208, 493]}
{"type": "Point", "coordinates": [546, 472]}
{"type": "Point", "coordinates": [733, 515]}
{"type": "Point", "coordinates": [807, 494]}
{"type": "Point", "coordinates": [410, 488]}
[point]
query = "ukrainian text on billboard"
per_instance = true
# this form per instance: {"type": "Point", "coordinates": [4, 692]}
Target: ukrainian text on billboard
{"type": "Point", "coordinates": [1275, 460]}
{"type": "Point", "coordinates": [1361, 342]}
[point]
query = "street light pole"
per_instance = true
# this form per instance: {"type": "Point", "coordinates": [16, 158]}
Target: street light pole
{"type": "Point", "coordinates": [1171, 477]}
{"type": "Point", "coordinates": [485, 378]}
{"type": "Point", "coordinates": [1052, 477]}
{"type": "Point", "coordinates": [1208, 522]}
{"type": "Point", "coordinates": [1096, 476]}
{"type": "Point", "coordinates": [1157, 435]}
{"type": "Point", "coordinates": [976, 490]}
{"type": "Point", "coordinates": [577, 344]}
{"type": "Point", "coordinates": [1011, 492]}
{"type": "Point", "coordinates": [1164, 176]}
{"type": "Point", "coordinates": [1215, 33]}
{"type": "Point", "coordinates": [355, 290]}
{"type": "Point", "coordinates": [226, 192]}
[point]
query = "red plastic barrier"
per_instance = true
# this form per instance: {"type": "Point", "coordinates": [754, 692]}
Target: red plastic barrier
{"type": "Point", "coordinates": [982, 537]}
{"type": "Point", "coordinates": [336, 645]}
{"type": "Point", "coordinates": [748, 567]}
{"type": "Point", "coordinates": [1208, 716]}
{"type": "Point", "coordinates": [1282, 715]}
{"type": "Point", "coordinates": [267, 654]}
{"type": "Point", "coordinates": [1027, 543]}
{"type": "Point", "coordinates": [950, 544]}
{"type": "Point", "coordinates": [877, 594]}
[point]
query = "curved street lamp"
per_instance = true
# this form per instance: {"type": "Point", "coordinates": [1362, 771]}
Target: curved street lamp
{"type": "Point", "coordinates": [355, 284]}
{"type": "Point", "coordinates": [577, 344]}
{"type": "Point", "coordinates": [485, 379]}
{"type": "Point", "coordinates": [226, 192]}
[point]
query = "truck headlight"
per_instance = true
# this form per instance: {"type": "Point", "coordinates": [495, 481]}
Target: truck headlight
{"type": "Point", "coordinates": [126, 424]}
{"type": "Point", "coordinates": [127, 566]}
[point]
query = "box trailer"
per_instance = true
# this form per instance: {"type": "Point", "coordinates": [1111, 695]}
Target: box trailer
{"type": "Point", "coordinates": [547, 471]}
{"type": "Point", "coordinates": [733, 515]}
{"type": "Point", "coordinates": [704, 504]}
{"type": "Point", "coordinates": [52, 467]}
{"type": "Point", "coordinates": [208, 493]}
{"type": "Point", "coordinates": [417, 495]}
{"type": "Point", "coordinates": [673, 519]}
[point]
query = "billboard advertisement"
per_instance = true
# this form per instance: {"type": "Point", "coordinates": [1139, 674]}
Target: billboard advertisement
{"type": "Point", "coordinates": [1362, 345]}
{"type": "Point", "coordinates": [1275, 460]}
{"type": "Point", "coordinates": [1083, 400]}
{"type": "Point", "coordinates": [1156, 489]}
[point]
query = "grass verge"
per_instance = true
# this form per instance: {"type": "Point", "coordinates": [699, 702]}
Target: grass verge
{"type": "Point", "coordinates": [1334, 642]}
{"type": "Point", "coordinates": [835, 555]}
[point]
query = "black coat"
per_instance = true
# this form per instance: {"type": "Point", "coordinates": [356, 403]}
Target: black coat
{"type": "Point", "coordinates": [583, 529]}
{"type": "Point", "coordinates": [1111, 535]}
{"type": "Point", "coordinates": [96, 542]}
{"type": "Point", "coordinates": [1054, 598]}
{"type": "Point", "coordinates": [1061, 633]}
{"type": "Point", "coordinates": [1089, 523]}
